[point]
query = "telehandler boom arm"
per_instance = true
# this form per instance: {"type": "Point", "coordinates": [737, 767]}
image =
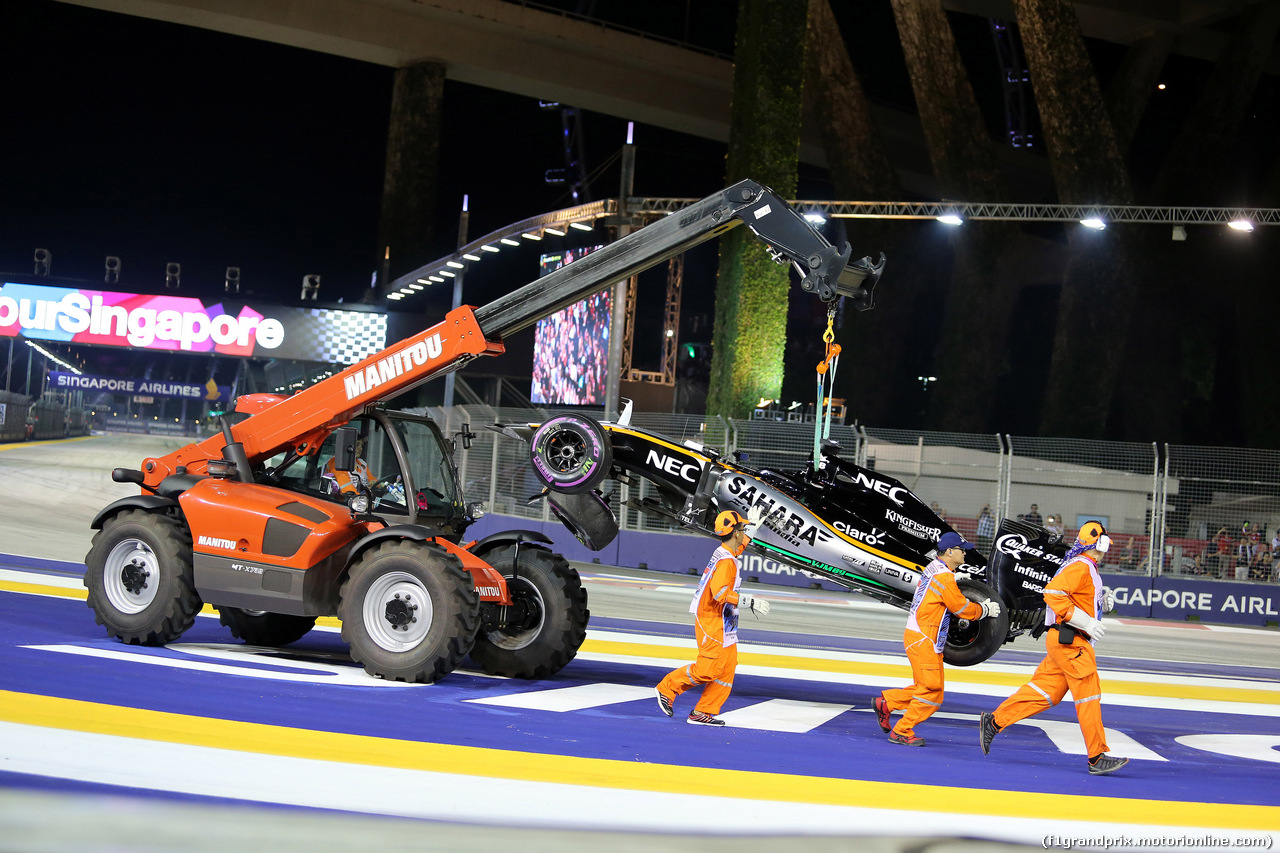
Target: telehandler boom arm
{"type": "Point", "coordinates": [301, 422]}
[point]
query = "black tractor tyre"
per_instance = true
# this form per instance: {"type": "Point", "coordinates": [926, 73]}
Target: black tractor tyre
{"type": "Point", "coordinates": [586, 516]}
{"type": "Point", "coordinates": [571, 454]}
{"type": "Point", "coordinates": [138, 572]}
{"type": "Point", "coordinates": [545, 626]}
{"type": "Point", "coordinates": [265, 629]}
{"type": "Point", "coordinates": [970, 642]}
{"type": "Point", "coordinates": [409, 611]}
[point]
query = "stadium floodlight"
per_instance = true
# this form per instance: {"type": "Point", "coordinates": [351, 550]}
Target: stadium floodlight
{"type": "Point", "coordinates": [951, 219]}
{"type": "Point", "coordinates": [531, 235]}
{"type": "Point", "coordinates": [397, 296]}
{"type": "Point", "coordinates": [455, 265]}
{"type": "Point", "coordinates": [1093, 222]}
{"type": "Point", "coordinates": [556, 231]}
{"type": "Point", "coordinates": [581, 226]}
{"type": "Point", "coordinates": [407, 291]}
{"type": "Point", "coordinates": [815, 218]}
{"type": "Point", "coordinates": [1241, 225]}
{"type": "Point", "coordinates": [447, 273]}
{"type": "Point", "coordinates": [415, 286]}
{"type": "Point", "coordinates": [488, 248]}
{"type": "Point", "coordinates": [437, 279]}
{"type": "Point", "coordinates": [507, 241]}
{"type": "Point", "coordinates": [423, 281]}
{"type": "Point", "coordinates": [1179, 233]}
{"type": "Point", "coordinates": [471, 257]}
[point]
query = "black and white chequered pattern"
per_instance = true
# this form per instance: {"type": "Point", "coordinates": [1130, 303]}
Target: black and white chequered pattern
{"type": "Point", "coordinates": [345, 337]}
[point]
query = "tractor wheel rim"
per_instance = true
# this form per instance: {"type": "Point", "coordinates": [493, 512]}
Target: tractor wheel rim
{"type": "Point", "coordinates": [517, 638]}
{"type": "Point", "coordinates": [132, 576]}
{"type": "Point", "coordinates": [397, 612]}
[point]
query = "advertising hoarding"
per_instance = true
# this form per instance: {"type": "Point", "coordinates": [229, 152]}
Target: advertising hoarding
{"type": "Point", "coordinates": [188, 324]}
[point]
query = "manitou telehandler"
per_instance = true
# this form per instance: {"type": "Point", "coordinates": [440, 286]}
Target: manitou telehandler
{"type": "Point", "coordinates": [324, 503]}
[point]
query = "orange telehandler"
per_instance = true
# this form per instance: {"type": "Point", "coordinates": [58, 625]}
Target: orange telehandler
{"type": "Point", "coordinates": [325, 503]}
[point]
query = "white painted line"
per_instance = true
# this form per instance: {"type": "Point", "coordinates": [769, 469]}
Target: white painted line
{"type": "Point", "coordinates": [350, 787]}
{"type": "Point", "coordinates": [784, 715]}
{"type": "Point", "coordinates": [563, 699]}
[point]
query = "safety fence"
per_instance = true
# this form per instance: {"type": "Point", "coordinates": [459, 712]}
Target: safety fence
{"type": "Point", "coordinates": [1204, 513]}
{"type": "Point", "coordinates": [45, 418]}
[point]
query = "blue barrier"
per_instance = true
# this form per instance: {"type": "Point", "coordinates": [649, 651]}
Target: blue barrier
{"type": "Point", "coordinates": [1168, 598]}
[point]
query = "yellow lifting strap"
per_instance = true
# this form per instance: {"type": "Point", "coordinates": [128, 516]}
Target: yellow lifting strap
{"type": "Point", "coordinates": [822, 423]}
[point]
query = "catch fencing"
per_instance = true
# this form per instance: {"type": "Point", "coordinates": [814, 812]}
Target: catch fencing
{"type": "Point", "coordinates": [1207, 513]}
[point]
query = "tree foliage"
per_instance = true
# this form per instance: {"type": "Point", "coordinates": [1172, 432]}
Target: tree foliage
{"type": "Point", "coordinates": [764, 144]}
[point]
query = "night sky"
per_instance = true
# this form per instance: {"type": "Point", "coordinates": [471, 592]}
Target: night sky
{"type": "Point", "coordinates": [159, 143]}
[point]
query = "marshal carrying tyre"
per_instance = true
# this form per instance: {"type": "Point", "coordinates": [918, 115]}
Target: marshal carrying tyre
{"type": "Point", "coordinates": [970, 642]}
{"type": "Point", "coordinates": [258, 628]}
{"type": "Point", "coordinates": [409, 611]}
{"type": "Point", "coordinates": [139, 576]}
{"type": "Point", "coordinates": [571, 454]}
{"type": "Point", "coordinates": [543, 629]}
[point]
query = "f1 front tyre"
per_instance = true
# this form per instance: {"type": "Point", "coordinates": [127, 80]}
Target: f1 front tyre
{"type": "Point", "coordinates": [571, 454]}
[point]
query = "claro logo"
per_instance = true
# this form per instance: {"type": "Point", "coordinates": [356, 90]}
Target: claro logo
{"type": "Point", "coordinates": [141, 327]}
{"type": "Point", "coordinates": [364, 379]}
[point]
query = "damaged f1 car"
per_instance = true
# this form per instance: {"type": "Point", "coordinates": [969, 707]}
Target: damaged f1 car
{"type": "Point", "coordinates": [834, 519]}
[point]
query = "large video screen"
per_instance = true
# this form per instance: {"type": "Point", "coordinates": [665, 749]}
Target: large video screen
{"type": "Point", "coordinates": [571, 347]}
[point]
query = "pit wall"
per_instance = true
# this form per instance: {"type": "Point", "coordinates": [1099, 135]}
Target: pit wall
{"type": "Point", "coordinates": [1164, 598]}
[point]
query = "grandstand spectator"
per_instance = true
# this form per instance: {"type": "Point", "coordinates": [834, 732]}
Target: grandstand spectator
{"type": "Point", "coordinates": [1247, 545]}
{"type": "Point", "coordinates": [1260, 565]}
{"type": "Point", "coordinates": [1033, 516]}
{"type": "Point", "coordinates": [1054, 525]}
{"type": "Point", "coordinates": [1220, 557]}
{"type": "Point", "coordinates": [986, 529]}
{"type": "Point", "coordinates": [1128, 558]}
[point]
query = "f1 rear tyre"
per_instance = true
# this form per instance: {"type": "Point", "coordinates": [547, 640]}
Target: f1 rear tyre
{"type": "Point", "coordinates": [970, 642]}
{"type": "Point", "coordinates": [542, 631]}
{"type": "Point", "coordinates": [138, 572]}
{"type": "Point", "coordinates": [265, 629]}
{"type": "Point", "coordinates": [409, 611]}
{"type": "Point", "coordinates": [571, 454]}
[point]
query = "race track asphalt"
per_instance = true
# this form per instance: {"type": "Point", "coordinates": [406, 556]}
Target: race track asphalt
{"type": "Point", "coordinates": [208, 742]}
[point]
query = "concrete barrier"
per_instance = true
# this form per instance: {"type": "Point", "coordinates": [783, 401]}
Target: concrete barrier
{"type": "Point", "coordinates": [1167, 598]}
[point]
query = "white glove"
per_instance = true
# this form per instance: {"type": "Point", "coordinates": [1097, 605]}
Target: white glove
{"type": "Point", "coordinates": [746, 601]}
{"type": "Point", "coordinates": [754, 516]}
{"type": "Point", "coordinates": [1108, 600]}
{"type": "Point", "coordinates": [990, 608]}
{"type": "Point", "coordinates": [1088, 624]}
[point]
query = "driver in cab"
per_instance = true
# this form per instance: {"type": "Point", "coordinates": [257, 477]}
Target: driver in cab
{"type": "Point", "coordinates": [348, 482]}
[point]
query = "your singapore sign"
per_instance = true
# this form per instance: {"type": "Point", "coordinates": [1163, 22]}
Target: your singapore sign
{"type": "Point", "coordinates": [187, 324]}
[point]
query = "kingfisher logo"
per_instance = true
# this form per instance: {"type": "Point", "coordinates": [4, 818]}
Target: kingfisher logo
{"type": "Point", "coordinates": [214, 542]}
{"type": "Point", "coordinates": [364, 379]}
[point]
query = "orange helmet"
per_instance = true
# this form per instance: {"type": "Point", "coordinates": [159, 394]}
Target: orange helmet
{"type": "Point", "coordinates": [727, 522]}
{"type": "Point", "coordinates": [1093, 535]}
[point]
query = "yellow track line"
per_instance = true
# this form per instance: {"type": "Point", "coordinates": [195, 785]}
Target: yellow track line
{"type": "Point", "coordinates": [17, 444]}
{"type": "Point", "coordinates": [116, 721]}
{"type": "Point", "coordinates": [783, 661]}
